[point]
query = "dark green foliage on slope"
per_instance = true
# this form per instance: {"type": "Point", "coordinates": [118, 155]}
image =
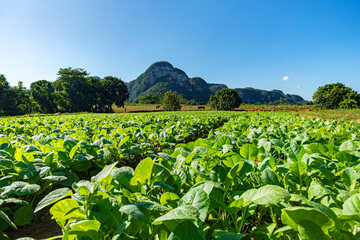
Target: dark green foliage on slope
{"type": "Point", "coordinates": [252, 95]}
{"type": "Point", "coordinates": [214, 87]}
{"type": "Point", "coordinates": [150, 99]}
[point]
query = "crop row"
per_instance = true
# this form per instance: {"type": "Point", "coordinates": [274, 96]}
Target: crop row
{"type": "Point", "coordinates": [260, 176]}
{"type": "Point", "coordinates": [39, 154]}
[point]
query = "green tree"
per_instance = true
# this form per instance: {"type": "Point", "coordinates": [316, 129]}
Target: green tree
{"type": "Point", "coordinates": [336, 95]}
{"type": "Point", "coordinates": [225, 99]}
{"type": "Point", "coordinates": [150, 99]}
{"type": "Point", "coordinates": [171, 101]}
{"type": "Point", "coordinates": [16, 100]}
{"type": "Point", "coordinates": [44, 94]}
{"type": "Point", "coordinates": [72, 90]}
{"type": "Point", "coordinates": [114, 91]}
{"type": "Point", "coordinates": [96, 92]}
{"type": "Point", "coordinates": [4, 94]}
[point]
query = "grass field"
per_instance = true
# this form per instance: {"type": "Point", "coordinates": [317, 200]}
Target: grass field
{"type": "Point", "coordinates": [154, 108]}
{"type": "Point", "coordinates": [303, 110]}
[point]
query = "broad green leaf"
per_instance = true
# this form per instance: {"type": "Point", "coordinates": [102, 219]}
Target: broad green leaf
{"type": "Point", "coordinates": [143, 170]}
{"type": "Point", "coordinates": [215, 191]}
{"type": "Point", "coordinates": [352, 204]}
{"type": "Point", "coordinates": [317, 191]}
{"type": "Point", "coordinates": [349, 177]}
{"type": "Point", "coordinates": [249, 151]}
{"type": "Point", "coordinates": [123, 175]}
{"type": "Point", "coordinates": [84, 187]}
{"type": "Point", "coordinates": [218, 174]}
{"type": "Point", "coordinates": [70, 178]}
{"type": "Point", "coordinates": [7, 219]}
{"type": "Point", "coordinates": [169, 198]}
{"type": "Point", "coordinates": [237, 205]}
{"type": "Point", "coordinates": [24, 215]}
{"type": "Point", "coordinates": [60, 210]}
{"type": "Point", "coordinates": [136, 212]}
{"type": "Point", "coordinates": [104, 173]}
{"type": "Point", "coordinates": [269, 194]}
{"type": "Point", "coordinates": [298, 168]}
{"type": "Point", "coordinates": [123, 141]}
{"type": "Point", "coordinates": [223, 140]}
{"type": "Point", "coordinates": [309, 231]}
{"type": "Point", "coordinates": [88, 228]}
{"type": "Point", "coordinates": [142, 211]}
{"type": "Point", "coordinates": [20, 189]}
{"type": "Point", "coordinates": [49, 159]}
{"type": "Point", "coordinates": [231, 159]}
{"type": "Point", "coordinates": [296, 216]}
{"type": "Point", "coordinates": [197, 198]}
{"type": "Point", "coordinates": [178, 215]}
{"type": "Point", "coordinates": [53, 197]}
{"type": "Point", "coordinates": [186, 230]}
{"type": "Point", "coordinates": [277, 142]}
{"type": "Point", "coordinates": [348, 145]}
{"type": "Point", "coordinates": [268, 177]}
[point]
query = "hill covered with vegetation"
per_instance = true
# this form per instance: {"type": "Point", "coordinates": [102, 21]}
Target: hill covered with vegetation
{"type": "Point", "coordinates": [161, 77]}
{"type": "Point", "coordinates": [252, 95]}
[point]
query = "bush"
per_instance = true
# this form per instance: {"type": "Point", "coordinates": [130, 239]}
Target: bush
{"type": "Point", "coordinates": [225, 99]}
{"type": "Point", "coordinates": [171, 101]}
{"type": "Point", "coordinates": [336, 95]}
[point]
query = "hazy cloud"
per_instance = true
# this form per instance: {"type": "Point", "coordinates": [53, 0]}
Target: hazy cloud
{"type": "Point", "coordinates": [348, 84]}
{"type": "Point", "coordinates": [298, 86]}
{"type": "Point", "coordinates": [285, 78]}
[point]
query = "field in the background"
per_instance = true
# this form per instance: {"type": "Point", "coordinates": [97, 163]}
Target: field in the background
{"type": "Point", "coordinates": [337, 114]}
{"type": "Point", "coordinates": [243, 107]}
{"type": "Point", "coordinates": [154, 108]}
{"type": "Point", "coordinates": [303, 110]}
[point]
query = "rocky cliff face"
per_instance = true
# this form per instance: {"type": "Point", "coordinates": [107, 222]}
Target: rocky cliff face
{"type": "Point", "coordinates": [161, 77]}
{"type": "Point", "coordinates": [164, 69]}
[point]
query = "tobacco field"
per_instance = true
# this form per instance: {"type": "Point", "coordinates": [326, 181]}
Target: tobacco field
{"type": "Point", "coordinates": [182, 175]}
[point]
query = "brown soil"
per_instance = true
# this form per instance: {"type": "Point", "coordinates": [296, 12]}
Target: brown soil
{"type": "Point", "coordinates": [41, 227]}
{"type": "Point", "coordinates": [273, 110]}
{"type": "Point", "coordinates": [304, 115]}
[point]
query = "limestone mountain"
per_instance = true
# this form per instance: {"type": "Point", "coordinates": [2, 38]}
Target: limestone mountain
{"type": "Point", "coordinates": [161, 77]}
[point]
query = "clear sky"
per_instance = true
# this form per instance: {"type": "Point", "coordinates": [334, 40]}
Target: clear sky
{"type": "Point", "coordinates": [293, 45]}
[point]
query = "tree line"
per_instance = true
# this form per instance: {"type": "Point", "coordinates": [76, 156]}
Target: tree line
{"type": "Point", "coordinates": [73, 91]}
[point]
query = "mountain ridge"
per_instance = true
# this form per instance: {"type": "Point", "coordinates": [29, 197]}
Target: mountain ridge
{"type": "Point", "coordinates": [162, 76]}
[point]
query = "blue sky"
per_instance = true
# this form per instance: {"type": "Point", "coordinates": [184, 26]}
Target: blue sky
{"type": "Point", "coordinates": [253, 43]}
